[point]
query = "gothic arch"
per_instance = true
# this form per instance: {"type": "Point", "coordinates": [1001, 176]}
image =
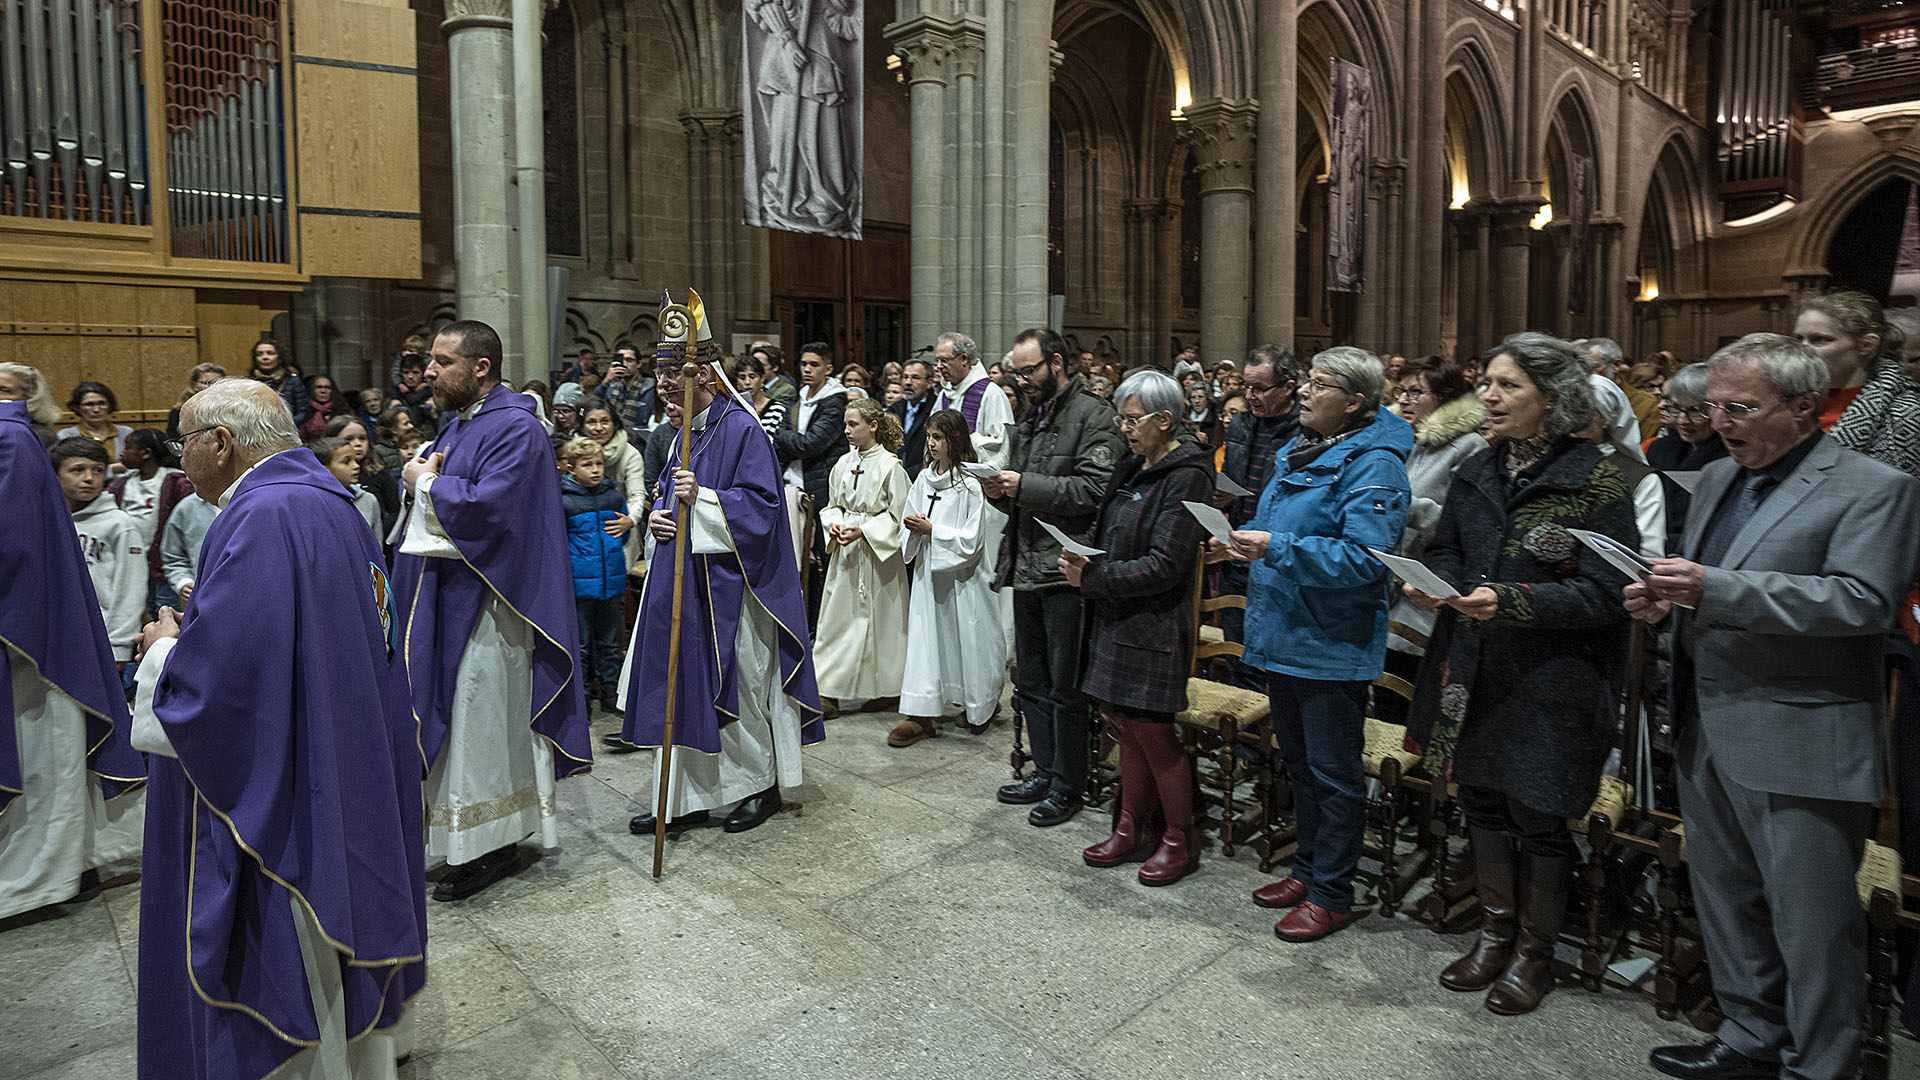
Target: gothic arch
{"type": "Point", "coordinates": [1352, 31]}
{"type": "Point", "coordinates": [1473, 101]}
{"type": "Point", "coordinates": [1570, 129]}
{"type": "Point", "coordinates": [1221, 49]}
{"type": "Point", "coordinates": [1808, 243]}
{"type": "Point", "coordinates": [1674, 198]}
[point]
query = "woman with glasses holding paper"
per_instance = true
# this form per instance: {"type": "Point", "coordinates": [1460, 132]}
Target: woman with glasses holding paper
{"type": "Point", "coordinates": [1518, 697]}
{"type": "Point", "coordinates": [1139, 624]}
{"type": "Point", "coordinates": [1688, 445]}
{"type": "Point", "coordinates": [1317, 618]}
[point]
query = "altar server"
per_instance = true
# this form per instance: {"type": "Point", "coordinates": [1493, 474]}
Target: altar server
{"type": "Point", "coordinates": [956, 644]}
{"type": "Point", "coordinates": [860, 653]}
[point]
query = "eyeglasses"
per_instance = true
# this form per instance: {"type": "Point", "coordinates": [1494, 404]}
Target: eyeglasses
{"type": "Point", "coordinates": [1735, 410]}
{"type": "Point", "coordinates": [1335, 387]}
{"type": "Point", "coordinates": [1693, 413]}
{"type": "Point", "coordinates": [1025, 373]}
{"type": "Point", "coordinates": [1128, 423]}
{"type": "Point", "coordinates": [1256, 388]}
{"type": "Point", "coordinates": [176, 445]}
{"type": "Point", "coordinates": [1413, 392]}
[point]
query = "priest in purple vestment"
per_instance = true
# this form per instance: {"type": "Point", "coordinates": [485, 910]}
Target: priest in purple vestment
{"type": "Point", "coordinates": [67, 772]}
{"type": "Point", "coordinates": [966, 387]}
{"type": "Point", "coordinates": [282, 910]}
{"type": "Point", "coordinates": [491, 638]}
{"type": "Point", "coordinates": [745, 699]}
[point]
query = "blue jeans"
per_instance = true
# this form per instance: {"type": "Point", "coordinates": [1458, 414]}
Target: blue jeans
{"type": "Point", "coordinates": [600, 651]}
{"type": "Point", "coordinates": [1320, 727]}
{"type": "Point", "coordinates": [1046, 648]}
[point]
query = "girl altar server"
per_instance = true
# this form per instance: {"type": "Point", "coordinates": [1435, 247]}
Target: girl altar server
{"type": "Point", "coordinates": [956, 646]}
{"type": "Point", "coordinates": [859, 653]}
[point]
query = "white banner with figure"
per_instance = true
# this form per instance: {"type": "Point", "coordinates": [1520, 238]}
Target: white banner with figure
{"type": "Point", "coordinates": [802, 62]}
{"type": "Point", "coordinates": [1347, 168]}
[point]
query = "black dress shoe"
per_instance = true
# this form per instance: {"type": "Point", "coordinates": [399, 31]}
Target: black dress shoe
{"type": "Point", "coordinates": [617, 745]}
{"type": "Point", "coordinates": [642, 824]}
{"type": "Point", "coordinates": [1711, 1060]}
{"type": "Point", "coordinates": [753, 811]}
{"type": "Point", "coordinates": [1053, 810]}
{"type": "Point", "coordinates": [1031, 790]}
{"type": "Point", "coordinates": [465, 880]}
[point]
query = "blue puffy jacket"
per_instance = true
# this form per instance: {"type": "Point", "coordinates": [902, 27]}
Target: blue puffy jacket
{"type": "Point", "coordinates": [599, 560]}
{"type": "Point", "coordinates": [1317, 601]}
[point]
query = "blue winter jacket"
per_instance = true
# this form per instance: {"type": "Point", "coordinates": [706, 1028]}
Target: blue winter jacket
{"type": "Point", "coordinates": [599, 560]}
{"type": "Point", "coordinates": [1317, 601]}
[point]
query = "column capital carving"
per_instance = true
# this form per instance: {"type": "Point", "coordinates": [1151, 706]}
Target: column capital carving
{"type": "Point", "coordinates": [1221, 135]}
{"type": "Point", "coordinates": [469, 14]}
{"type": "Point", "coordinates": [712, 124]}
{"type": "Point", "coordinates": [1386, 177]}
{"type": "Point", "coordinates": [926, 46]}
{"type": "Point", "coordinates": [1513, 220]}
{"type": "Point", "coordinates": [969, 48]}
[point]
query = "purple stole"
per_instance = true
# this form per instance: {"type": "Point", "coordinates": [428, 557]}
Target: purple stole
{"type": "Point", "coordinates": [969, 401]}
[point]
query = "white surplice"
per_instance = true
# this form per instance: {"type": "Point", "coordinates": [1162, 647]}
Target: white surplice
{"type": "Point", "coordinates": [956, 644]}
{"type": "Point", "coordinates": [493, 783]}
{"type": "Point", "coordinates": [859, 650]}
{"type": "Point", "coordinates": [759, 750]}
{"type": "Point", "coordinates": [992, 424]}
{"type": "Point", "coordinates": [59, 826]}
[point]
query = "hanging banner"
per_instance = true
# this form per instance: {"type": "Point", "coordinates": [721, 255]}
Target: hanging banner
{"type": "Point", "coordinates": [803, 107]}
{"type": "Point", "coordinates": [1580, 177]}
{"type": "Point", "coordinates": [1347, 179]}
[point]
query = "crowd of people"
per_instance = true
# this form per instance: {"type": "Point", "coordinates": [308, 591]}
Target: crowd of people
{"type": "Point", "coordinates": [910, 539]}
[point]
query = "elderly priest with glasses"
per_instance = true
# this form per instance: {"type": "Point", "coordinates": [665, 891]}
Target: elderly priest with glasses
{"type": "Point", "coordinates": [283, 911]}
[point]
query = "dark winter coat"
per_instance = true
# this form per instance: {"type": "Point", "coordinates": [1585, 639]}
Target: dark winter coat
{"type": "Point", "coordinates": [817, 447]}
{"type": "Point", "coordinates": [1139, 595]}
{"type": "Point", "coordinates": [599, 561]}
{"type": "Point", "coordinates": [1065, 452]}
{"type": "Point", "coordinates": [1671, 453]}
{"type": "Point", "coordinates": [1527, 702]}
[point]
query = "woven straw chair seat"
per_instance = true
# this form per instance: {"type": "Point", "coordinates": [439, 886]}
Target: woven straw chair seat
{"type": "Point", "coordinates": [1611, 800]}
{"type": "Point", "coordinates": [1385, 741]}
{"type": "Point", "coordinates": [1209, 702]}
{"type": "Point", "coordinates": [1879, 869]}
{"type": "Point", "coordinates": [1211, 635]}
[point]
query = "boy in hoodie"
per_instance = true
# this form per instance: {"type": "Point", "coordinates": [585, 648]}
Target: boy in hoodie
{"type": "Point", "coordinates": [597, 520]}
{"type": "Point", "coordinates": [337, 457]}
{"type": "Point", "coordinates": [115, 553]}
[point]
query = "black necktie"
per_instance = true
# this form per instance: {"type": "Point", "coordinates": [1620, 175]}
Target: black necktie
{"type": "Point", "coordinates": [1733, 518]}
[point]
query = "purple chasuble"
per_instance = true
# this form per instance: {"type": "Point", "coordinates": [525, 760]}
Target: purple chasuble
{"type": "Point", "coordinates": [970, 402]}
{"type": "Point", "coordinates": [498, 498]}
{"type": "Point", "coordinates": [49, 614]}
{"type": "Point", "coordinates": [731, 458]}
{"type": "Point", "coordinates": [298, 781]}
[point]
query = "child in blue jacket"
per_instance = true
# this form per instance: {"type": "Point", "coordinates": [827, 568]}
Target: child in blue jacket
{"type": "Point", "coordinates": [597, 519]}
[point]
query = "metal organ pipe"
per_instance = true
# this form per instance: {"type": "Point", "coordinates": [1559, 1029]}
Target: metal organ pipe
{"type": "Point", "coordinates": [87, 81]}
{"type": "Point", "coordinates": [127, 29]}
{"type": "Point", "coordinates": [13, 111]}
{"type": "Point", "coordinates": [113, 120]}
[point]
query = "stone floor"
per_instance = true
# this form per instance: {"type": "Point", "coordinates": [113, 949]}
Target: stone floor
{"type": "Point", "coordinates": [894, 921]}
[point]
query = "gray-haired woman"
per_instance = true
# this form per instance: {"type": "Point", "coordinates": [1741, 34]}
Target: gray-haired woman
{"type": "Point", "coordinates": [1517, 696]}
{"type": "Point", "coordinates": [18, 382]}
{"type": "Point", "coordinates": [1139, 625]}
{"type": "Point", "coordinates": [1689, 444]}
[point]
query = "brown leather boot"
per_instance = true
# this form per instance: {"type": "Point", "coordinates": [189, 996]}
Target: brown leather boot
{"type": "Point", "coordinates": [1128, 843]}
{"type": "Point", "coordinates": [1178, 856]}
{"type": "Point", "coordinates": [1493, 949]}
{"type": "Point", "coordinates": [1543, 908]}
{"type": "Point", "coordinates": [911, 730]}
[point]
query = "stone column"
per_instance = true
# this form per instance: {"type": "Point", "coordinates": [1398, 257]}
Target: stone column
{"type": "Point", "coordinates": [1222, 141]}
{"type": "Point", "coordinates": [480, 94]}
{"type": "Point", "coordinates": [1030, 62]}
{"type": "Point", "coordinates": [716, 207]}
{"type": "Point", "coordinates": [1276, 198]}
{"type": "Point", "coordinates": [968, 290]}
{"type": "Point", "coordinates": [926, 46]}
{"type": "Point", "coordinates": [1165, 283]}
{"type": "Point", "coordinates": [1468, 258]}
{"type": "Point", "coordinates": [1512, 246]}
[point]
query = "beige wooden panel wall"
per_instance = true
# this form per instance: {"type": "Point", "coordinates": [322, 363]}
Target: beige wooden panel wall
{"type": "Point", "coordinates": [357, 138]}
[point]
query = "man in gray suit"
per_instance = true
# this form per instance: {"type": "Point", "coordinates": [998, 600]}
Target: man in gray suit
{"type": "Point", "coordinates": [1797, 555]}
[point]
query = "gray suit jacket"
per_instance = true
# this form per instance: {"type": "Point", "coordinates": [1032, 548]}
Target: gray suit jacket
{"type": "Point", "coordinates": [1789, 633]}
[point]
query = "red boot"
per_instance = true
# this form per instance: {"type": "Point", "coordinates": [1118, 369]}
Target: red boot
{"type": "Point", "coordinates": [1178, 856]}
{"type": "Point", "coordinates": [1135, 827]}
{"type": "Point", "coordinates": [1126, 845]}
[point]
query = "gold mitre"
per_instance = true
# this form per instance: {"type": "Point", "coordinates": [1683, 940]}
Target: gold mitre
{"type": "Point", "coordinates": [684, 333]}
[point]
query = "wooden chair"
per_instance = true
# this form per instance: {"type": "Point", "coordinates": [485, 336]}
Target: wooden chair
{"type": "Point", "coordinates": [1219, 717]}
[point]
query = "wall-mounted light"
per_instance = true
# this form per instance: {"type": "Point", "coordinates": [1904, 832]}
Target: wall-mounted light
{"type": "Point", "coordinates": [1542, 216]}
{"type": "Point", "coordinates": [1785, 204]}
{"type": "Point", "coordinates": [1649, 285]}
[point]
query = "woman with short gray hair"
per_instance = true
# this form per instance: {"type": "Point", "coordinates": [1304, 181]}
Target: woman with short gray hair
{"type": "Point", "coordinates": [1140, 624]}
{"type": "Point", "coordinates": [1517, 696]}
{"type": "Point", "coordinates": [1688, 444]}
{"type": "Point", "coordinates": [1316, 621]}
{"type": "Point", "coordinates": [18, 382]}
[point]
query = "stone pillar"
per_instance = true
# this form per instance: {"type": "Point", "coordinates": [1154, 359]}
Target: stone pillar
{"type": "Point", "coordinates": [716, 240]}
{"type": "Point", "coordinates": [1276, 198]}
{"type": "Point", "coordinates": [926, 46]}
{"type": "Point", "coordinates": [967, 302]}
{"type": "Point", "coordinates": [1030, 64]}
{"type": "Point", "coordinates": [1221, 134]}
{"type": "Point", "coordinates": [1165, 282]}
{"type": "Point", "coordinates": [1469, 257]}
{"type": "Point", "coordinates": [1512, 247]}
{"type": "Point", "coordinates": [480, 94]}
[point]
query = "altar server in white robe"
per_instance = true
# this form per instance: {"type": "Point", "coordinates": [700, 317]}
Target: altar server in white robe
{"type": "Point", "coordinates": [860, 653]}
{"type": "Point", "coordinates": [956, 645]}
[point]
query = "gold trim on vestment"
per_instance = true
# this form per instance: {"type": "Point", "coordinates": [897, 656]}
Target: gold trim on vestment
{"type": "Point", "coordinates": [138, 782]}
{"type": "Point", "coordinates": [193, 867]}
{"type": "Point", "coordinates": [472, 816]}
{"type": "Point", "coordinates": [373, 1028]}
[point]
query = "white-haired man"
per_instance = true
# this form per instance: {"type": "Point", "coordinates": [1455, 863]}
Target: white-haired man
{"type": "Point", "coordinates": [1795, 559]}
{"type": "Point", "coordinates": [966, 387]}
{"type": "Point", "coordinates": [282, 905]}
{"type": "Point", "coordinates": [1605, 358]}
